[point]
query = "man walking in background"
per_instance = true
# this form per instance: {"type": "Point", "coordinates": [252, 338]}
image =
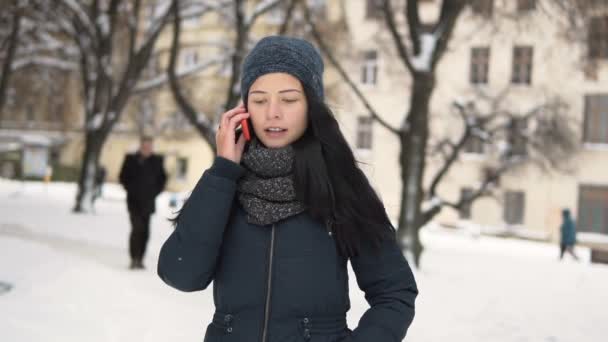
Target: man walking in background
{"type": "Point", "coordinates": [568, 235]}
{"type": "Point", "coordinates": [143, 176]}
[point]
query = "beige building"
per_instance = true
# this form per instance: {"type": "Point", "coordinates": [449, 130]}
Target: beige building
{"type": "Point", "coordinates": [528, 57]}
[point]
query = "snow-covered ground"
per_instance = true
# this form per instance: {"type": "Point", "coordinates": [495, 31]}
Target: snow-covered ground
{"type": "Point", "coordinates": [70, 281]}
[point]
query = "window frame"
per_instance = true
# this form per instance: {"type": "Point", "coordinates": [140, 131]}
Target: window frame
{"type": "Point", "coordinates": [484, 8]}
{"type": "Point", "coordinates": [583, 215]}
{"type": "Point", "coordinates": [525, 6]}
{"type": "Point", "coordinates": [522, 64]}
{"type": "Point", "coordinates": [365, 136]}
{"type": "Point", "coordinates": [373, 9]}
{"type": "Point", "coordinates": [479, 65]}
{"type": "Point", "coordinates": [466, 212]}
{"type": "Point", "coordinates": [595, 117]}
{"type": "Point", "coordinates": [597, 38]}
{"type": "Point", "coordinates": [369, 68]}
{"type": "Point", "coordinates": [517, 218]}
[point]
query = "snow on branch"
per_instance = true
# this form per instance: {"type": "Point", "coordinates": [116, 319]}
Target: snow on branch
{"type": "Point", "coordinates": [260, 9]}
{"type": "Point", "coordinates": [162, 79]}
{"type": "Point", "coordinates": [542, 136]}
{"type": "Point", "coordinates": [47, 61]}
{"type": "Point", "coordinates": [428, 43]}
{"type": "Point", "coordinates": [77, 8]}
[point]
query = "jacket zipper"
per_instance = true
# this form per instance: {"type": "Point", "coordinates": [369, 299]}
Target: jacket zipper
{"type": "Point", "coordinates": [268, 286]}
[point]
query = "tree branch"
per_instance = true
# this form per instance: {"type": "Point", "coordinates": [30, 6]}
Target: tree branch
{"type": "Point", "coordinates": [450, 11]}
{"type": "Point", "coordinates": [328, 53]}
{"type": "Point", "coordinates": [288, 15]}
{"type": "Point", "coordinates": [205, 127]}
{"type": "Point", "coordinates": [413, 21]}
{"type": "Point", "coordinates": [454, 153]}
{"type": "Point", "coordinates": [260, 9]}
{"type": "Point", "coordinates": [392, 27]}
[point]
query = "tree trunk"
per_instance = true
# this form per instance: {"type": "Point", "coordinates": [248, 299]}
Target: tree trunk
{"type": "Point", "coordinates": [412, 162]}
{"type": "Point", "coordinates": [8, 61]}
{"type": "Point", "coordinates": [94, 141]}
{"type": "Point", "coordinates": [242, 31]}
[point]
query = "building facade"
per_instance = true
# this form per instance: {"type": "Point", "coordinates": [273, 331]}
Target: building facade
{"type": "Point", "coordinates": [511, 47]}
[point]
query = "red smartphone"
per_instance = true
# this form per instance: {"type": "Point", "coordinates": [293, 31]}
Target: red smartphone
{"type": "Point", "coordinates": [245, 127]}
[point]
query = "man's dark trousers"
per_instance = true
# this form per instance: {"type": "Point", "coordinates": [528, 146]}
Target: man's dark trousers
{"type": "Point", "coordinates": [140, 233]}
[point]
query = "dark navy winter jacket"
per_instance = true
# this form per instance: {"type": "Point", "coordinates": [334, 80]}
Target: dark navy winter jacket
{"type": "Point", "coordinates": [284, 282]}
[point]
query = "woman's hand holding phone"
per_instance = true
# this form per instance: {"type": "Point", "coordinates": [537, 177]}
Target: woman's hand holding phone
{"type": "Point", "coordinates": [225, 136]}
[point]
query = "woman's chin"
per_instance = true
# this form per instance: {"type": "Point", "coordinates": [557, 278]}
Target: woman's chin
{"type": "Point", "coordinates": [274, 143]}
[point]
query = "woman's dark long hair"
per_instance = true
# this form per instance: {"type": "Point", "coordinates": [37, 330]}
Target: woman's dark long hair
{"type": "Point", "coordinates": [329, 181]}
{"type": "Point", "coordinates": [335, 190]}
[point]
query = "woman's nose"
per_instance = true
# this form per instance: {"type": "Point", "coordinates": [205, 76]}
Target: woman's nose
{"type": "Point", "coordinates": [274, 112]}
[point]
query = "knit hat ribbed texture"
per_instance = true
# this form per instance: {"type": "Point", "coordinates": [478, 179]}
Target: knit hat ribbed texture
{"type": "Point", "coordinates": [294, 56]}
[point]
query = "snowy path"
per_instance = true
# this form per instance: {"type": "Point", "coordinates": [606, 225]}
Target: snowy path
{"type": "Point", "coordinates": [70, 282]}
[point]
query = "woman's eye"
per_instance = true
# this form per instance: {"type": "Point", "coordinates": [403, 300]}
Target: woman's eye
{"type": "Point", "coordinates": [259, 101]}
{"type": "Point", "coordinates": [290, 100]}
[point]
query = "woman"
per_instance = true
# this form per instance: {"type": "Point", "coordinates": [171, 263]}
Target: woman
{"type": "Point", "coordinates": [274, 220]}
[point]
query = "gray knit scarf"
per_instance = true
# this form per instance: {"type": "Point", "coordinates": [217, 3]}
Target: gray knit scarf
{"type": "Point", "coordinates": [267, 191]}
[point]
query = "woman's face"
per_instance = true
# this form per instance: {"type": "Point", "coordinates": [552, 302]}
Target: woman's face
{"type": "Point", "coordinates": [278, 108]}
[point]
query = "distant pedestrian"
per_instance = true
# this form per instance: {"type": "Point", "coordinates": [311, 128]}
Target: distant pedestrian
{"type": "Point", "coordinates": [100, 178]}
{"type": "Point", "coordinates": [143, 177]}
{"type": "Point", "coordinates": [568, 235]}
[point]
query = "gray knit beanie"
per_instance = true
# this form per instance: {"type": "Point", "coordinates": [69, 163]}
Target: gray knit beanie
{"type": "Point", "coordinates": [294, 56]}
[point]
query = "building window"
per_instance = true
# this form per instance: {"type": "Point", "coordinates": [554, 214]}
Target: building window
{"type": "Point", "coordinates": [30, 114]}
{"type": "Point", "coordinates": [369, 70]}
{"type": "Point", "coordinates": [522, 65]}
{"type": "Point", "coordinates": [364, 132]}
{"type": "Point", "coordinates": [182, 168]}
{"type": "Point", "coordinates": [318, 8]}
{"type": "Point", "coordinates": [177, 123]}
{"type": "Point", "coordinates": [465, 211]}
{"type": "Point", "coordinates": [473, 145]}
{"type": "Point", "coordinates": [593, 209]}
{"type": "Point", "coordinates": [152, 68]}
{"type": "Point", "coordinates": [514, 207]}
{"type": "Point", "coordinates": [374, 9]}
{"type": "Point", "coordinates": [483, 7]}
{"type": "Point", "coordinates": [189, 58]}
{"type": "Point", "coordinates": [153, 11]}
{"type": "Point", "coordinates": [596, 119]}
{"type": "Point", "coordinates": [275, 15]}
{"type": "Point", "coordinates": [598, 37]}
{"type": "Point", "coordinates": [526, 5]}
{"type": "Point", "coordinates": [516, 139]}
{"type": "Point", "coordinates": [480, 64]}
{"type": "Point", "coordinates": [191, 21]}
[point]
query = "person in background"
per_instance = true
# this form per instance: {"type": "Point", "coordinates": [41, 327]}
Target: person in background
{"type": "Point", "coordinates": [568, 235]}
{"type": "Point", "coordinates": [100, 178]}
{"type": "Point", "coordinates": [143, 176]}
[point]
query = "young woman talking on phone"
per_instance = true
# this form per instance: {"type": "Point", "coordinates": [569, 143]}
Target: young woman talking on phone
{"type": "Point", "coordinates": [275, 219]}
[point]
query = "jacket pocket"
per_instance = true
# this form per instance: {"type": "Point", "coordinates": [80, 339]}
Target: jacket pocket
{"type": "Point", "coordinates": [317, 329]}
{"type": "Point", "coordinates": [213, 333]}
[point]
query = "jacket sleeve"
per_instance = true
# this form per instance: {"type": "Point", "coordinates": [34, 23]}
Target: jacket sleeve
{"type": "Point", "coordinates": [162, 175]}
{"type": "Point", "coordinates": [187, 259]}
{"type": "Point", "coordinates": [124, 176]}
{"type": "Point", "coordinates": [390, 290]}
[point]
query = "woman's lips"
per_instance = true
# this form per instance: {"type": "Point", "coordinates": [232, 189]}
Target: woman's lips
{"type": "Point", "coordinates": [275, 134]}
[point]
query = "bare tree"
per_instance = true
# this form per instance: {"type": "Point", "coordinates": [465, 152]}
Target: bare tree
{"type": "Point", "coordinates": [35, 47]}
{"type": "Point", "coordinates": [113, 48]}
{"type": "Point", "coordinates": [13, 14]}
{"type": "Point", "coordinates": [419, 47]}
{"type": "Point", "coordinates": [241, 23]}
{"type": "Point", "coordinates": [543, 137]}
